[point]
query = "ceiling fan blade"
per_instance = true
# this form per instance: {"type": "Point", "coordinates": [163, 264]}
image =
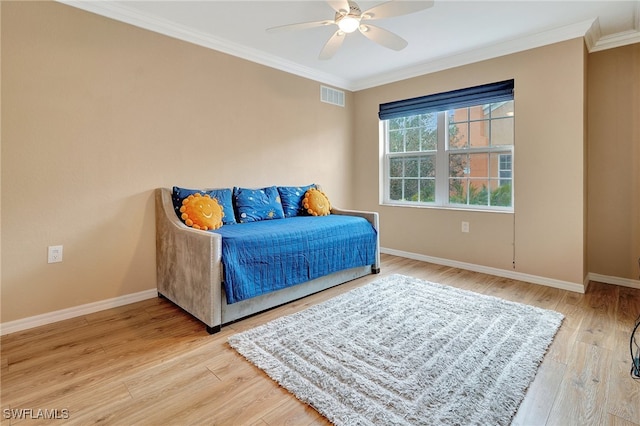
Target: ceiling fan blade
{"type": "Point", "coordinates": [339, 5]}
{"type": "Point", "coordinates": [383, 37]}
{"type": "Point", "coordinates": [332, 45]}
{"type": "Point", "coordinates": [396, 8]}
{"type": "Point", "coordinates": [300, 26]}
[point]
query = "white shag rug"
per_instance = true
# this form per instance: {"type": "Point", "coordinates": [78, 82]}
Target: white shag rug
{"type": "Point", "coordinates": [403, 351]}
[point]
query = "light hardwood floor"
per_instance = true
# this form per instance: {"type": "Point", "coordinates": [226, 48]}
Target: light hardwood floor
{"type": "Point", "coordinates": [151, 363]}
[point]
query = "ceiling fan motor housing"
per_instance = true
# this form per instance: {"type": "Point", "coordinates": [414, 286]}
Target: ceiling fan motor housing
{"type": "Point", "coordinates": [354, 10]}
{"type": "Point", "coordinates": [349, 21]}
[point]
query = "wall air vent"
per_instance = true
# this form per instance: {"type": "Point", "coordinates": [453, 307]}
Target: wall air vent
{"type": "Point", "coordinates": [332, 96]}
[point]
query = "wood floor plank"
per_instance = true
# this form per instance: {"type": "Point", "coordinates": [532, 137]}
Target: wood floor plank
{"type": "Point", "coordinates": [87, 398]}
{"type": "Point", "coordinates": [617, 421]}
{"type": "Point", "coordinates": [43, 339]}
{"type": "Point", "coordinates": [583, 393]}
{"type": "Point", "coordinates": [515, 291]}
{"type": "Point", "coordinates": [151, 363]}
{"type": "Point", "coordinates": [250, 404]}
{"type": "Point", "coordinates": [624, 391]}
{"type": "Point", "coordinates": [540, 396]}
{"type": "Point", "coordinates": [563, 344]}
{"type": "Point", "coordinates": [546, 297]}
{"type": "Point", "coordinates": [295, 413]}
{"type": "Point", "coordinates": [628, 312]}
{"type": "Point", "coordinates": [602, 301]}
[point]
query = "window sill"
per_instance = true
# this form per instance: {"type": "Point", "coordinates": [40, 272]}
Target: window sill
{"type": "Point", "coordinates": [480, 209]}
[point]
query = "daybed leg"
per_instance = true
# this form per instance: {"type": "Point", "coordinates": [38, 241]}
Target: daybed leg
{"type": "Point", "coordinates": [213, 330]}
{"type": "Point", "coordinates": [375, 270]}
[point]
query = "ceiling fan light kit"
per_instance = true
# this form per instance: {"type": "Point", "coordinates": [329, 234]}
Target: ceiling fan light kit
{"type": "Point", "coordinates": [349, 17]}
{"type": "Point", "coordinates": [348, 24]}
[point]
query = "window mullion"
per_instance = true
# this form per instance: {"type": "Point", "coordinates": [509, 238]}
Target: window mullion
{"type": "Point", "coordinates": [442, 162]}
{"type": "Point", "coordinates": [480, 150]}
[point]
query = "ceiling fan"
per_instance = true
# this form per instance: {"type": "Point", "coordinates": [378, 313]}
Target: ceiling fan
{"type": "Point", "coordinates": [350, 18]}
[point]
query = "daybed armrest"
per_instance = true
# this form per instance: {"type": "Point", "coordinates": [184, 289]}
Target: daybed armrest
{"type": "Point", "coordinates": [372, 217]}
{"type": "Point", "coordinates": [188, 263]}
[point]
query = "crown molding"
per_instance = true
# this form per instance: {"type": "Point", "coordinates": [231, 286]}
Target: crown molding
{"type": "Point", "coordinates": [180, 32]}
{"type": "Point", "coordinates": [476, 55]}
{"type": "Point", "coordinates": [620, 39]}
{"type": "Point", "coordinates": [589, 29]}
{"type": "Point", "coordinates": [596, 42]}
{"type": "Point", "coordinates": [592, 35]}
{"type": "Point", "coordinates": [616, 40]}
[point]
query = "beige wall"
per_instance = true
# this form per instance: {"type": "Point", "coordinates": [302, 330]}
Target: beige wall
{"type": "Point", "coordinates": [96, 114]}
{"type": "Point", "coordinates": [614, 162]}
{"type": "Point", "coordinates": [548, 227]}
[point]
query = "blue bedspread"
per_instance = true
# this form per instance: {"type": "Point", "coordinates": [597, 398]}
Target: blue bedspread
{"type": "Point", "coordinates": [260, 257]}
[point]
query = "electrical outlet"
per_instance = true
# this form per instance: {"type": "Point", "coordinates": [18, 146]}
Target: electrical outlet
{"type": "Point", "coordinates": [465, 226]}
{"type": "Point", "coordinates": [55, 254]}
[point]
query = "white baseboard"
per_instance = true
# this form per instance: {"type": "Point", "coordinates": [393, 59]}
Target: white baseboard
{"type": "Point", "coordinates": [624, 282]}
{"type": "Point", "coordinates": [89, 308]}
{"type": "Point", "coordinates": [76, 311]}
{"type": "Point", "coordinates": [549, 282]}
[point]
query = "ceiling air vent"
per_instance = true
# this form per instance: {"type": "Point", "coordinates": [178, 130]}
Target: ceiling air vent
{"type": "Point", "coordinates": [332, 96]}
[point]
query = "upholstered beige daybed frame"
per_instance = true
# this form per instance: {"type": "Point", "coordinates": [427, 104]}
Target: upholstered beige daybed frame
{"type": "Point", "coordinates": [189, 270]}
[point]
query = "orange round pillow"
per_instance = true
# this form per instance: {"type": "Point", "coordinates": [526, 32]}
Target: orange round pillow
{"type": "Point", "coordinates": [201, 212]}
{"type": "Point", "coordinates": [316, 203]}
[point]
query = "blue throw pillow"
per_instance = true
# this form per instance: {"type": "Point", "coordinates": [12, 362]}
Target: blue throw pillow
{"type": "Point", "coordinates": [291, 197]}
{"type": "Point", "coordinates": [253, 205]}
{"type": "Point", "coordinates": [223, 196]}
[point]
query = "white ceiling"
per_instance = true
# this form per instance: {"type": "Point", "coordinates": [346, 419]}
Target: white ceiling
{"type": "Point", "coordinates": [451, 33]}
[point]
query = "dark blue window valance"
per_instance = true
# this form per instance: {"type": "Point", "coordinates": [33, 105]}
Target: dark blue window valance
{"type": "Point", "coordinates": [478, 95]}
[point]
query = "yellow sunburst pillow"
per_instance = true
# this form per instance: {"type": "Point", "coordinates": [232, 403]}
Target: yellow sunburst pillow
{"type": "Point", "coordinates": [316, 203]}
{"type": "Point", "coordinates": [201, 212]}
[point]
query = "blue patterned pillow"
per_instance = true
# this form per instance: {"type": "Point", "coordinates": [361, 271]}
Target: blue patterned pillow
{"type": "Point", "coordinates": [291, 197]}
{"type": "Point", "coordinates": [253, 205]}
{"type": "Point", "coordinates": [223, 196]}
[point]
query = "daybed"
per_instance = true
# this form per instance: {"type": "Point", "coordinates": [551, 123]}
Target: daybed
{"type": "Point", "coordinates": [197, 269]}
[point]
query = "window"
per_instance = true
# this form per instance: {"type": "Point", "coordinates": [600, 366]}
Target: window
{"type": "Point", "coordinates": [412, 146]}
{"type": "Point", "coordinates": [505, 169]}
{"type": "Point", "coordinates": [460, 155]}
